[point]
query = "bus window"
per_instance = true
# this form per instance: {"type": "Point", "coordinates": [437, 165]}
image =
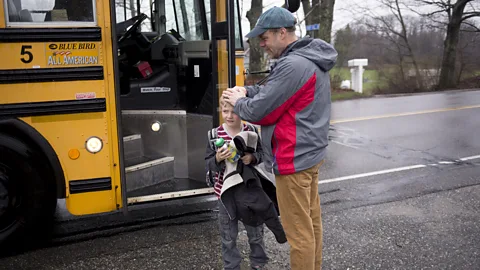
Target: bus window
{"type": "Point", "coordinates": [48, 11]}
{"type": "Point", "coordinates": [238, 38]}
{"type": "Point", "coordinates": [188, 16]}
{"type": "Point", "coordinates": [126, 9]}
{"type": "Point", "coordinates": [170, 23]}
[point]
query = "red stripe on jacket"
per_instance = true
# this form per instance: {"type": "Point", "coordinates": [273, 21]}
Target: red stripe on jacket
{"type": "Point", "coordinates": [285, 134]}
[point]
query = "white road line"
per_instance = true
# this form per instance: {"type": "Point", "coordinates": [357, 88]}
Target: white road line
{"type": "Point", "coordinates": [355, 176]}
{"type": "Point", "coordinates": [338, 121]}
{"type": "Point", "coordinates": [407, 168]}
{"type": "Point", "coordinates": [470, 158]}
{"type": "Point", "coordinates": [446, 162]}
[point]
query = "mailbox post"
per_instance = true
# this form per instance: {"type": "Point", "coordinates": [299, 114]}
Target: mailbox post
{"type": "Point", "coordinates": [357, 73]}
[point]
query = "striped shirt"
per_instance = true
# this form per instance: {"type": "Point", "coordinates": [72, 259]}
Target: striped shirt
{"type": "Point", "coordinates": [222, 133]}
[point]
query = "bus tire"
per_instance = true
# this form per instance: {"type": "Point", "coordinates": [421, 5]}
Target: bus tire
{"type": "Point", "coordinates": [27, 198]}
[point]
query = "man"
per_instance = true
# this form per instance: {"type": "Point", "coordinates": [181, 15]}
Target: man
{"type": "Point", "coordinates": [293, 109]}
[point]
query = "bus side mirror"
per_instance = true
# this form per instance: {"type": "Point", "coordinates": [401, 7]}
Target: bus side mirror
{"type": "Point", "coordinates": [292, 5]}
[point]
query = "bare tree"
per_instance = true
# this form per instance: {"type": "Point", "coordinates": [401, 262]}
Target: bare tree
{"type": "Point", "coordinates": [343, 44]}
{"type": "Point", "coordinates": [307, 10]}
{"type": "Point", "coordinates": [298, 19]}
{"type": "Point", "coordinates": [394, 28]}
{"type": "Point", "coordinates": [326, 19]}
{"type": "Point", "coordinates": [454, 13]}
{"type": "Point", "coordinates": [426, 42]}
{"type": "Point", "coordinates": [319, 12]}
{"type": "Point", "coordinates": [256, 61]}
{"type": "Point", "coordinates": [468, 51]}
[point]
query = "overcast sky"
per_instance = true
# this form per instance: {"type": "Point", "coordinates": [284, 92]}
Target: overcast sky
{"type": "Point", "coordinates": [342, 12]}
{"type": "Point", "coordinates": [346, 11]}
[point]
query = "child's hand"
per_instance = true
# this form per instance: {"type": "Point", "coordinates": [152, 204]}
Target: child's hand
{"type": "Point", "coordinates": [248, 158]}
{"type": "Point", "coordinates": [222, 154]}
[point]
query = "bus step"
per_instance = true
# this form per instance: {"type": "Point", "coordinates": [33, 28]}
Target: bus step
{"type": "Point", "coordinates": [170, 195]}
{"type": "Point", "coordinates": [133, 146]}
{"type": "Point", "coordinates": [173, 185]}
{"type": "Point", "coordinates": [149, 173]}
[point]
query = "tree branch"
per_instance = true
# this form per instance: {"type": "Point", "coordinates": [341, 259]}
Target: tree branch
{"type": "Point", "coordinates": [468, 15]}
{"type": "Point", "coordinates": [309, 12]}
{"type": "Point", "coordinates": [431, 13]}
{"type": "Point", "coordinates": [474, 29]}
{"type": "Point", "coordinates": [443, 8]}
{"type": "Point", "coordinates": [463, 2]}
{"type": "Point", "coordinates": [442, 4]}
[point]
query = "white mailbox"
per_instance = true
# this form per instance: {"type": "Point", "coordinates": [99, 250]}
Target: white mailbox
{"type": "Point", "coordinates": [357, 73]}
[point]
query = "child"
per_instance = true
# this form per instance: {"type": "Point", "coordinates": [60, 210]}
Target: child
{"type": "Point", "coordinates": [215, 161]}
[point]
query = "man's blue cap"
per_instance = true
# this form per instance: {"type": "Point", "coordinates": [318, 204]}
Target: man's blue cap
{"type": "Point", "coordinates": [273, 18]}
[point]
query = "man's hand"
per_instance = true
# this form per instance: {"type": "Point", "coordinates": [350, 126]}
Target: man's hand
{"type": "Point", "coordinates": [231, 95]}
{"type": "Point", "coordinates": [239, 88]}
{"type": "Point", "coordinates": [248, 158]}
{"type": "Point", "coordinates": [222, 154]}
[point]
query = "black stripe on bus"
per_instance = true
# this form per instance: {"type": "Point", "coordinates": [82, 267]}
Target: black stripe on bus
{"type": "Point", "coordinates": [90, 185]}
{"type": "Point", "coordinates": [11, 76]}
{"type": "Point", "coordinates": [53, 107]}
{"type": "Point", "coordinates": [8, 35]}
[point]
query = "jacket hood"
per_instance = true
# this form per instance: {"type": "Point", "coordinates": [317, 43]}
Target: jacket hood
{"type": "Point", "coordinates": [316, 50]}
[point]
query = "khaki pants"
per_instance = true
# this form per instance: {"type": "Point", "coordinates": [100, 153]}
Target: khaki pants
{"type": "Point", "coordinates": [299, 205]}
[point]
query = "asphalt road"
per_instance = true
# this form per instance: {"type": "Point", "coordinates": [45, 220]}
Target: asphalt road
{"type": "Point", "coordinates": [400, 190]}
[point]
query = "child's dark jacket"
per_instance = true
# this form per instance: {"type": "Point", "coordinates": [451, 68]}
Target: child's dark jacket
{"type": "Point", "coordinates": [249, 191]}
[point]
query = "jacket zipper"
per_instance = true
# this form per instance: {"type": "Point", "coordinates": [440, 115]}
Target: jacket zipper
{"type": "Point", "coordinates": [275, 150]}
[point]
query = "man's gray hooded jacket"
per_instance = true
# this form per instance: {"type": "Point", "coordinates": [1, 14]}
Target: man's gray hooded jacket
{"type": "Point", "coordinates": [293, 107]}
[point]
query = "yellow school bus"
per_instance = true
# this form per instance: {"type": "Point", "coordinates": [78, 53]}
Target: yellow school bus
{"type": "Point", "coordinates": [106, 103]}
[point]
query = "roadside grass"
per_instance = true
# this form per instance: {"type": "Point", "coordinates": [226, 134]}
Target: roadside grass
{"type": "Point", "coordinates": [336, 96]}
{"type": "Point", "coordinates": [371, 82]}
{"type": "Point", "coordinates": [371, 78]}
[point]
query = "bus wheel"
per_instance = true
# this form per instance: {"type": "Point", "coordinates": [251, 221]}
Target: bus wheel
{"type": "Point", "coordinates": [27, 203]}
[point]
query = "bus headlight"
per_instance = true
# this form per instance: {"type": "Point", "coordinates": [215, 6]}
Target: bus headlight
{"type": "Point", "coordinates": [156, 126]}
{"type": "Point", "coordinates": [94, 144]}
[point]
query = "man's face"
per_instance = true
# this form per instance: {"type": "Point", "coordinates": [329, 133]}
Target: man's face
{"type": "Point", "coordinates": [273, 42]}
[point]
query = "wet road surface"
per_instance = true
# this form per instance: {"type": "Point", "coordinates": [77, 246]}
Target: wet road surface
{"type": "Point", "coordinates": [398, 192]}
{"type": "Point", "coordinates": [360, 146]}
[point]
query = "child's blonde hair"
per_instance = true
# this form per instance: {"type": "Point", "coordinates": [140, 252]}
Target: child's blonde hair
{"type": "Point", "coordinates": [223, 103]}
